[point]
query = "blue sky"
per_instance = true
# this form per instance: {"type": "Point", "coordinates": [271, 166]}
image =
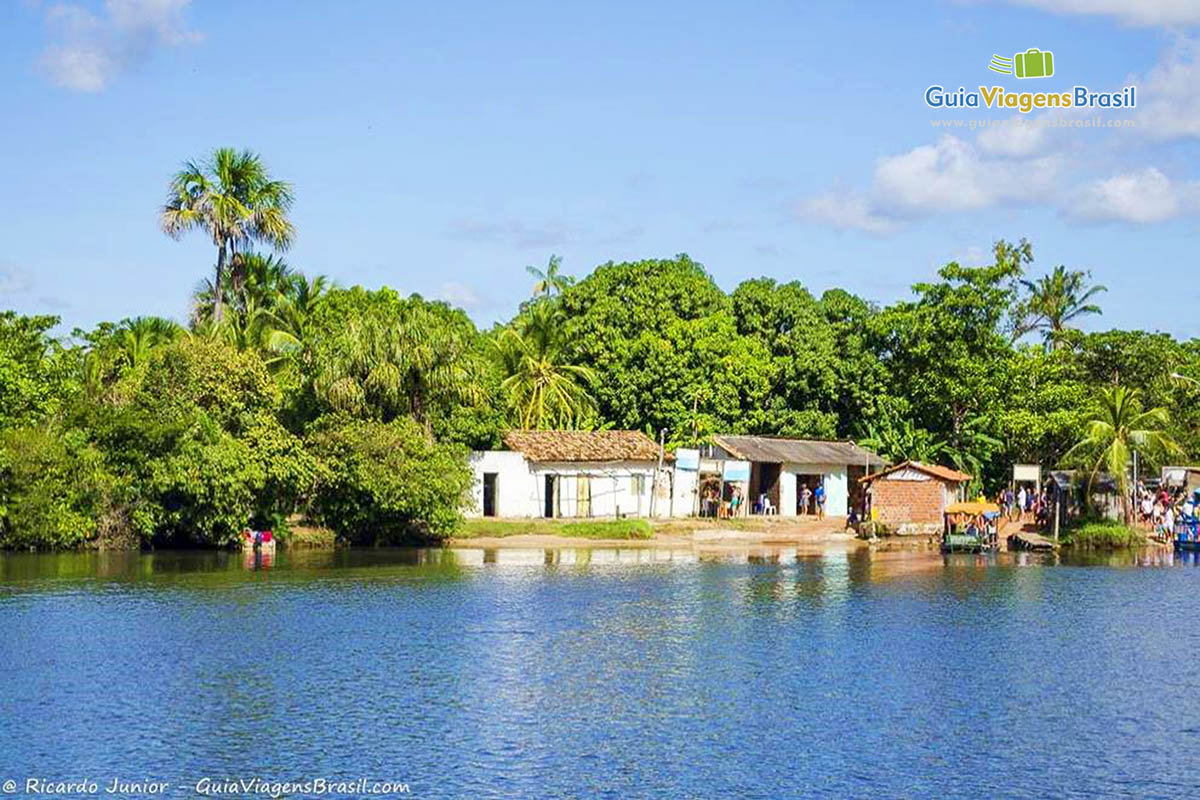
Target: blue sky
{"type": "Point", "coordinates": [439, 148]}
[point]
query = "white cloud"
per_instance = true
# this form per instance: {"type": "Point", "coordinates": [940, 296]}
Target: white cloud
{"type": "Point", "coordinates": [1016, 139]}
{"type": "Point", "coordinates": [1133, 12]}
{"type": "Point", "coordinates": [514, 232]}
{"type": "Point", "coordinates": [89, 50]}
{"type": "Point", "coordinates": [1141, 197]}
{"type": "Point", "coordinates": [1168, 99]}
{"type": "Point", "coordinates": [845, 211]}
{"type": "Point", "coordinates": [460, 295]}
{"type": "Point", "coordinates": [952, 175]}
{"type": "Point", "coordinates": [14, 279]}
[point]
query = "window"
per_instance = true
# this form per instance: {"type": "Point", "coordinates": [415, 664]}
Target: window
{"type": "Point", "coordinates": [637, 485]}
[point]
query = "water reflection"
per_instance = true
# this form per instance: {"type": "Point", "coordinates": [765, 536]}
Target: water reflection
{"type": "Point", "coordinates": [827, 570]}
{"type": "Point", "coordinates": [609, 671]}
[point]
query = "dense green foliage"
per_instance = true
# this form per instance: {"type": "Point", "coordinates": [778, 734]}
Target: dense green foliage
{"type": "Point", "coordinates": [285, 395]}
{"type": "Point", "coordinates": [388, 482]}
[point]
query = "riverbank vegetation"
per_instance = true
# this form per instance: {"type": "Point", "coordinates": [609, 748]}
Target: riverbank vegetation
{"type": "Point", "coordinates": [355, 407]}
{"type": "Point", "coordinates": [1103, 535]}
{"type": "Point", "coordinates": [592, 529]}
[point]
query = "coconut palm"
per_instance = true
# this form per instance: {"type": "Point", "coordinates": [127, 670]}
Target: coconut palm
{"type": "Point", "coordinates": [542, 389]}
{"type": "Point", "coordinates": [1059, 298]}
{"type": "Point", "coordinates": [1119, 426]}
{"type": "Point", "coordinates": [550, 280]}
{"type": "Point", "coordinates": [233, 199]}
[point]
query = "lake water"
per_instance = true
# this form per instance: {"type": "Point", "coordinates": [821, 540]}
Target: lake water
{"type": "Point", "coordinates": [605, 673]}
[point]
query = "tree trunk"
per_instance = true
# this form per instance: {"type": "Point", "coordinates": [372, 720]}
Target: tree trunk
{"type": "Point", "coordinates": [218, 305]}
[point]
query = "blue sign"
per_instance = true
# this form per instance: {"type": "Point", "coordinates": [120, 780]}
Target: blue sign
{"type": "Point", "coordinates": [687, 459]}
{"type": "Point", "coordinates": [737, 471]}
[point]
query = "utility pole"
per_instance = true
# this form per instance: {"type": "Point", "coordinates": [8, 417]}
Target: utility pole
{"type": "Point", "coordinates": [662, 434]}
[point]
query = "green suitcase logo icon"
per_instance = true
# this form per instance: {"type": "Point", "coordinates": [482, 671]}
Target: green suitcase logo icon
{"type": "Point", "coordinates": [1034, 63]}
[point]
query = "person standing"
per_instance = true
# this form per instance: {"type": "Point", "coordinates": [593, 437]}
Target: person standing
{"type": "Point", "coordinates": [1022, 498]}
{"type": "Point", "coordinates": [805, 497]}
{"type": "Point", "coordinates": [819, 499]}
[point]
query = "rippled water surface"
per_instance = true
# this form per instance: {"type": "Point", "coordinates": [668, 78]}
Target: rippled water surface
{"type": "Point", "coordinates": [619, 673]}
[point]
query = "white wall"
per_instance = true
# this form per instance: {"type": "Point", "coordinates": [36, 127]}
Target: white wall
{"type": "Point", "coordinates": [612, 487]}
{"type": "Point", "coordinates": [837, 490]}
{"type": "Point", "coordinates": [520, 486]}
{"type": "Point", "coordinates": [517, 491]}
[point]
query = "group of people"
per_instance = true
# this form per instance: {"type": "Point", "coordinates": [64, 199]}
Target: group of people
{"type": "Point", "coordinates": [712, 504]}
{"type": "Point", "coordinates": [1025, 503]}
{"type": "Point", "coordinates": [811, 501]}
{"type": "Point", "coordinates": [1158, 509]}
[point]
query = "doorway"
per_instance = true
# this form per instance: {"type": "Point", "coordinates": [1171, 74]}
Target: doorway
{"type": "Point", "coordinates": [489, 494]}
{"type": "Point", "coordinates": [854, 476]}
{"type": "Point", "coordinates": [550, 496]}
{"type": "Point", "coordinates": [811, 482]}
{"type": "Point", "coordinates": [764, 480]}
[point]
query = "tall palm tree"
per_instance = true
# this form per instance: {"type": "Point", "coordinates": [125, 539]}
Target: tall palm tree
{"type": "Point", "coordinates": [551, 279]}
{"type": "Point", "coordinates": [542, 389]}
{"type": "Point", "coordinates": [233, 199]}
{"type": "Point", "coordinates": [1119, 426]}
{"type": "Point", "coordinates": [1058, 298]}
{"type": "Point", "coordinates": [263, 279]}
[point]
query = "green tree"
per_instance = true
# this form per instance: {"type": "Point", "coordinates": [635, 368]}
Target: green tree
{"type": "Point", "coordinates": [541, 388]}
{"type": "Point", "coordinates": [378, 356]}
{"type": "Point", "coordinates": [551, 280]}
{"type": "Point", "coordinates": [233, 199]}
{"type": "Point", "coordinates": [1060, 298]}
{"type": "Point", "coordinates": [37, 374]}
{"type": "Point", "coordinates": [1118, 426]}
{"type": "Point", "coordinates": [654, 332]}
{"type": "Point", "coordinates": [387, 482]}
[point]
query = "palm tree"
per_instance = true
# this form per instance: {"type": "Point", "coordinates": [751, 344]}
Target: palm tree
{"type": "Point", "coordinates": [542, 389]}
{"type": "Point", "coordinates": [135, 339]}
{"type": "Point", "coordinates": [263, 279]}
{"type": "Point", "coordinates": [233, 199]}
{"type": "Point", "coordinates": [1058, 298]}
{"type": "Point", "coordinates": [288, 321]}
{"type": "Point", "coordinates": [407, 364]}
{"type": "Point", "coordinates": [550, 280]}
{"type": "Point", "coordinates": [1120, 425]}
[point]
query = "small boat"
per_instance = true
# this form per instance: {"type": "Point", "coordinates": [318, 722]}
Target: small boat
{"type": "Point", "coordinates": [1187, 533]}
{"type": "Point", "coordinates": [971, 527]}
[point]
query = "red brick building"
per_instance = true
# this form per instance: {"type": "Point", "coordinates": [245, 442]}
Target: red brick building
{"type": "Point", "coordinates": [911, 497]}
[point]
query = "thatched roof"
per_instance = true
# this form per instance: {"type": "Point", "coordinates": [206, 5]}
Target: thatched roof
{"type": "Point", "coordinates": [796, 451]}
{"type": "Point", "coordinates": [582, 445]}
{"type": "Point", "coordinates": [935, 470]}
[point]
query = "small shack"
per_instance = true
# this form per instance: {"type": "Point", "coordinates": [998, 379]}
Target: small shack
{"type": "Point", "coordinates": [577, 474]}
{"type": "Point", "coordinates": [780, 469]}
{"type": "Point", "coordinates": [911, 498]}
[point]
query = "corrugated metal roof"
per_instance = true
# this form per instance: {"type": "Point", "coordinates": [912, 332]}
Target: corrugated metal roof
{"type": "Point", "coordinates": [796, 451]}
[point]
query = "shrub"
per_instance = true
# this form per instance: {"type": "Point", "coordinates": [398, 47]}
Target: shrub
{"type": "Point", "coordinates": [386, 482]}
{"type": "Point", "coordinates": [54, 489]}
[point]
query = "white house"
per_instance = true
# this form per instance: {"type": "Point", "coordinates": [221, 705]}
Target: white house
{"type": "Point", "coordinates": [577, 474]}
{"type": "Point", "coordinates": [781, 468]}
